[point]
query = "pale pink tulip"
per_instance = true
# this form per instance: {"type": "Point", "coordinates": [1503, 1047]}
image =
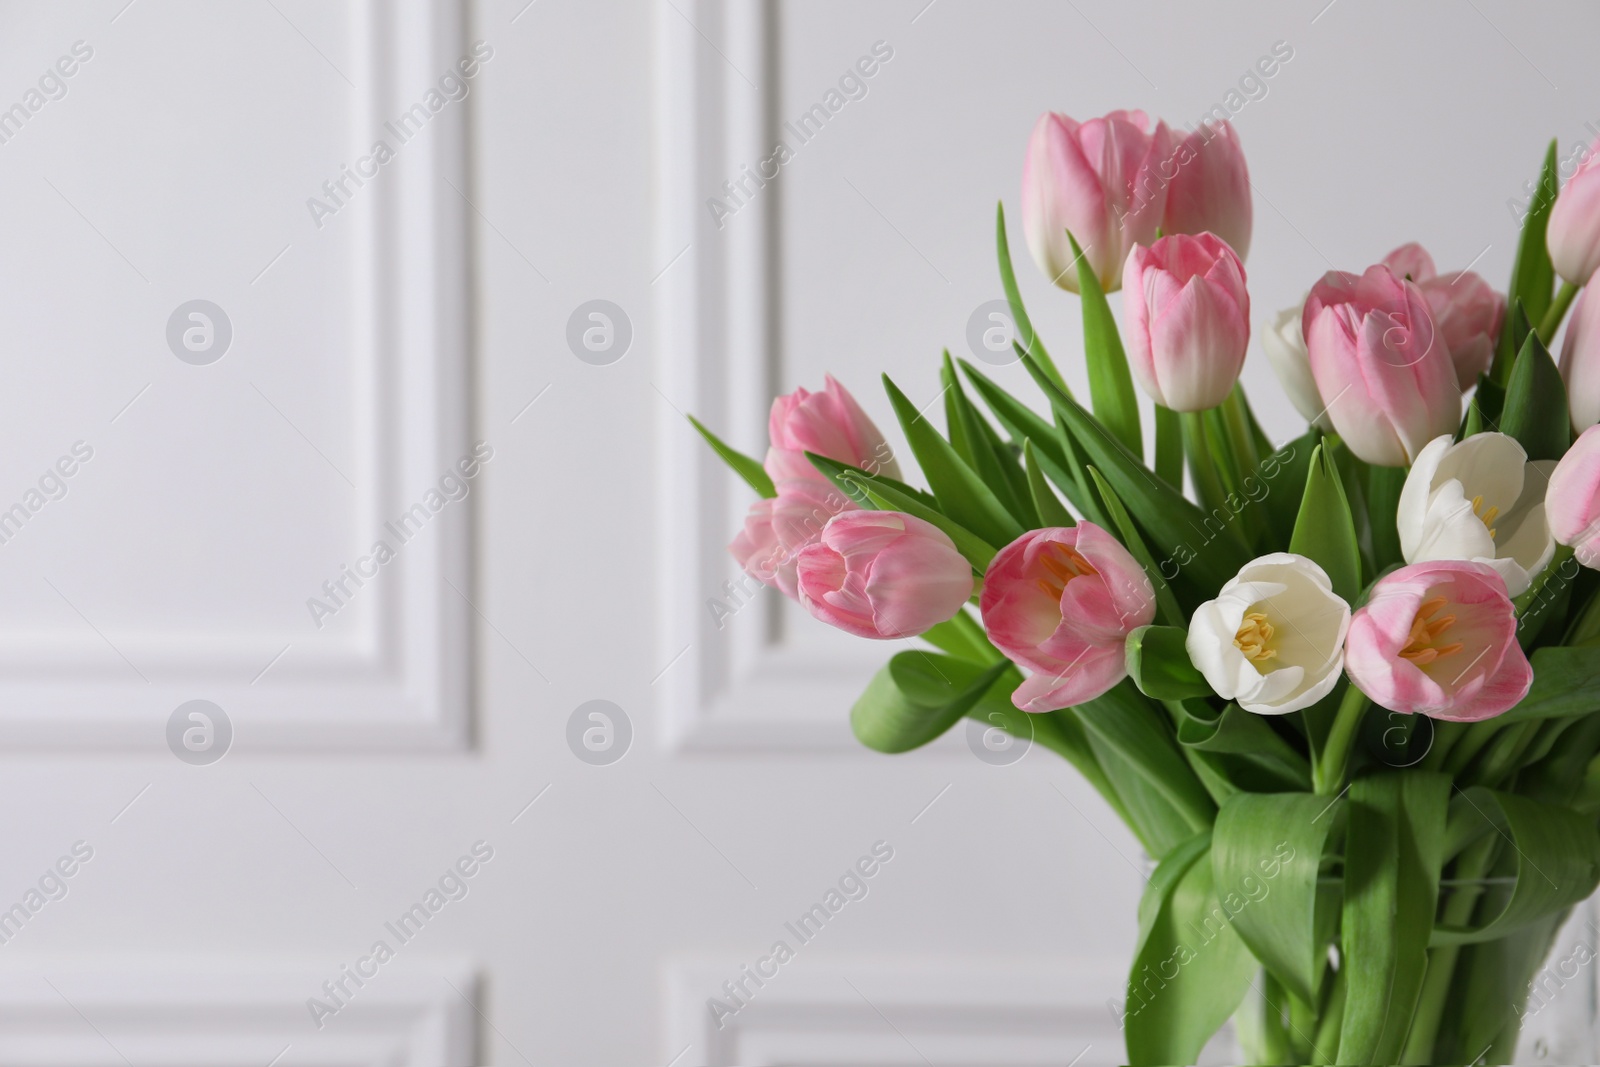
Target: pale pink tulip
{"type": "Point", "coordinates": [1188, 319]}
{"type": "Point", "coordinates": [832, 425]}
{"type": "Point", "coordinates": [777, 529]}
{"type": "Point", "coordinates": [1573, 232]}
{"type": "Point", "coordinates": [1061, 602]}
{"type": "Point", "coordinates": [1466, 310]}
{"type": "Point", "coordinates": [1386, 376]}
{"type": "Point", "coordinates": [1580, 362]}
{"type": "Point", "coordinates": [1572, 502]}
{"type": "Point", "coordinates": [883, 574]}
{"type": "Point", "coordinates": [1100, 179]}
{"type": "Point", "coordinates": [1210, 190]}
{"type": "Point", "coordinates": [1439, 639]}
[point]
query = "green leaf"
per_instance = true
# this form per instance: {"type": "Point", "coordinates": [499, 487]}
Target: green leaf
{"type": "Point", "coordinates": [1159, 664]}
{"type": "Point", "coordinates": [1190, 971]}
{"type": "Point", "coordinates": [1057, 455]}
{"type": "Point", "coordinates": [1019, 314]}
{"type": "Point", "coordinates": [843, 476]}
{"type": "Point", "coordinates": [968, 438]}
{"type": "Point", "coordinates": [745, 467]}
{"type": "Point", "coordinates": [1169, 447]}
{"type": "Point", "coordinates": [1324, 532]}
{"type": "Point", "coordinates": [1554, 860]}
{"type": "Point", "coordinates": [1285, 472]}
{"type": "Point", "coordinates": [917, 696]}
{"type": "Point", "coordinates": [963, 638]}
{"type": "Point", "coordinates": [1242, 748]}
{"type": "Point", "coordinates": [1535, 410]}
{"type": "Point", "coordinates": [1383, 503]}
{"type": "Point", "coordinates": [1565, 681]}
{"type": "Point", "coordinates": [961, 494]}
{"type": "Point", "coordinates": [1110, 381]}
{"type": "Point", "coordinates": [1050, 510]}
{"type": "Point", "coordinates": [1189, 538]}
{"type": "Point", "coordinates": [1267, 849]}
{"type": "Point", "coordinates": [1391, 887]}
{"type": "Point", "coordinates": [1130, 725]}
{"type": "Point", "coordinates": [1156, 584]}
{"type": "Point", "coordinates": [1532, 276]}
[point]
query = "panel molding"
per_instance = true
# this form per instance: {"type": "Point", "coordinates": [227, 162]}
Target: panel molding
{"type": "Point", "coordinates": [401, 682]}
{"type": "Point", "coordinates": [871, 1010]}
{"type": "Point", "coordinates": [742, 687]}
{"type": "Point", "coordinates": [94, 1015]}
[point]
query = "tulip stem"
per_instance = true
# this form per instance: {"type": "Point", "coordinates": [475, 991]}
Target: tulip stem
{"type": "Point", "coordinates": [1328, 772]}
{"type": "Point", "coordinates": [1169, 447]}
{"type": "Point", "coordinates": [1558, 310]}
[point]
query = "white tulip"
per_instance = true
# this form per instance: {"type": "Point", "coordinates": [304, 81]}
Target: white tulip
{"type": "Point", "coordinates": [1285, 346]}
{"type": "Point", "coordinates": [1480, 500]}
{"type": "Point", "coordinates": [1273, 640]}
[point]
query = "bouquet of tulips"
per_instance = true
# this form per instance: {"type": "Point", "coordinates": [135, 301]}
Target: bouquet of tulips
{"type": "Point", "coordinates": [1346, 691]}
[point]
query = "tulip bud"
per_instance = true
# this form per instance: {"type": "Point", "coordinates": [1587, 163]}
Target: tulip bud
{"type": "Point", "coordinates": [1573, 232]}
{"type": "Point", "coordinates": [1285, 347]}
{"type": "Point", "coordinates": [1572, 503]}
{"type": "Point", "coordinates": [1386, 377]}
{"type": "Point", "coordinates": [1099, 179]}
{"type": "Point", "coordinates": [1188, 320]}
{"type": "Point", "coordinates": [1061, 602]}
{"type": "Point", "coordinates": [1580, 362]}
{"type": "Point", "coordinates": [1466, 311]}
{"type": "Point", "coordinates": [1439, 639]}
{"type": "Point", "coordinates": [883, 574]}
{"type": "Point", "coordinates": [830, 424]}
{"type": "Point", "coordinates": [1210, 189]}
{"type": "Point", "coordinates": [777, 529]}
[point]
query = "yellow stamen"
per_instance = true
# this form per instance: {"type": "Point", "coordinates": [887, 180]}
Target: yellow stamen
{"type": "Point", "coordinates": [1425, 630]}
{"type": "Point", "coordinates": [1488, 517]}
{"type": "Point", "coordinates": [1064, 563]}
{"type": "Point", "coordinates": [1254, 638]}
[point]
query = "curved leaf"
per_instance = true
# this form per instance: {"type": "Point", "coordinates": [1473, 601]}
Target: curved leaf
{"type": "Point", "coordinates": [1110, 382]}
{"type": "Point", "coordinates": [1324, 531]}
{"type": "Point", "coordinates": [916, 697]}
{"type": "Point", "coordinates": [1191, 971]}
{"type": "Point", "coordinates": [749, 469]}
{"type": "Point", "coordinates": [1554, 859]}
{"type": "Point", "coordinates": [1268, 847]}
{"type": "Point", "coordinates": [1535, 411]}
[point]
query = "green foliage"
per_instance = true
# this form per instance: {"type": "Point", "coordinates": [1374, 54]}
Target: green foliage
{"type": "Point", "coordinates": [742, 465]}
{"type": "Point", "coordinates": [1110, 382]}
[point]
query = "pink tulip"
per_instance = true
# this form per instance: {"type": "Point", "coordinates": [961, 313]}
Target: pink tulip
{"type": "Point", "coordinates": [883, 574]}
{"type": "Point", "coordinates": [1387, 379]}
{"type": "Point", "coordinates": [1573, 233]}
{"type": "Point", "coordinates": [1439, 639]}
{"type": "Point", "coordinates": [1188, 317]}
{"type": "Point", "coordinates": [1099, 179]}
{"type": "Point", "coordinates": [1210, 191]}
{"type": "Point", "coordinates": [776, 530]}
{"type": "Point", "coordinates": [1580, 362]}
{"type": "Point", "coordinates": [1572, 501]}
{"type": "Point", "coordinates": [1465, 309]}
{"type": "Point", "coordinates": [832, 425]}
{"type": "Point", "coordinates": [1062, 602]}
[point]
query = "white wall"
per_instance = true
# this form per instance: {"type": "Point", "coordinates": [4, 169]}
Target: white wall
{"type": "Point", "coordinates": [424, 717]}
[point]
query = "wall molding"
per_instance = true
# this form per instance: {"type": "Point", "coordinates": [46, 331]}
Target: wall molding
{"type": "Point", "coordinates": [744, 687]}
{"type": "Point", "coordinates": [400, 681]}
{"type": "Point", "coordinates": [869, 1010]}
{"type": "Point", "coordinates": [99, 1015]}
